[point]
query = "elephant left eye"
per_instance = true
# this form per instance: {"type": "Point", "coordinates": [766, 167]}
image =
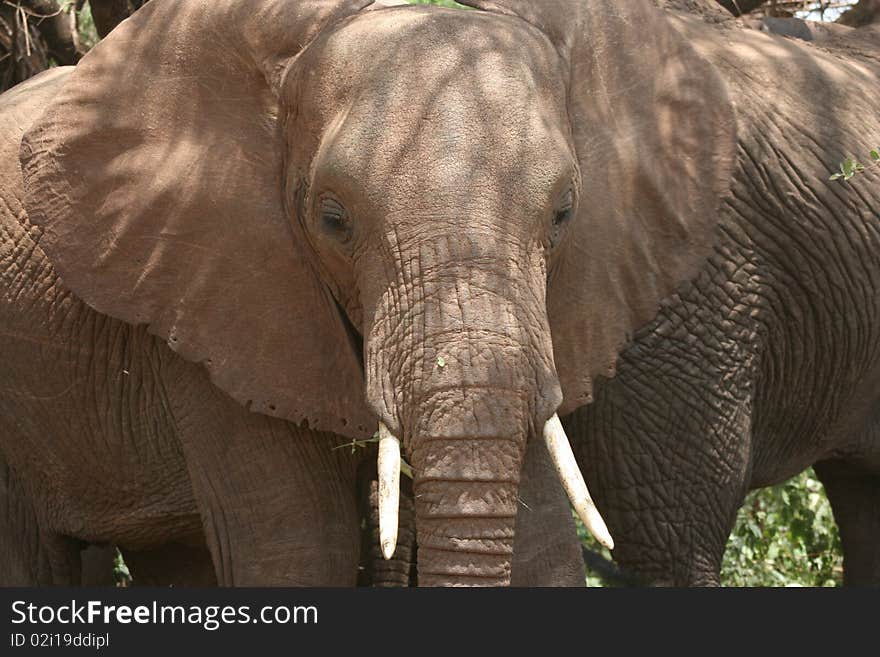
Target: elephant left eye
{"type": "Point", "coordinates": [562, 216]}
{"type": "Point", "coordinates": [566, 209]}
{"type": "Point", "coordinates": [335, 220]}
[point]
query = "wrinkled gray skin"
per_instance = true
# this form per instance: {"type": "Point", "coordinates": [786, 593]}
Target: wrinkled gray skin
{"type": "Point", "coordinates": [768, 361]}
{"type": "Point", "coordinates": [26, 553]}
{"type": "Point", "coordinates": [143, 433]}
{"type": "Point", "coordinates": [116, 472]}
{"type": "Point", "coordinates": [107, 466]}
{"type": "Point", "coordinates": [117, 439]}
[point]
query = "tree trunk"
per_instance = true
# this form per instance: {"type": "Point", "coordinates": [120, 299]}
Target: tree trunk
{"type": "Point", "coordinates": [22, 50]}
{"type": "Point", "coordinates": [32, 33]}
{"type": "Point", "coordinates": [107, 14]}
{"type": "Point", "coordinates": [57, 27]}
{"type": "Point", "coordinates": [866, 12]}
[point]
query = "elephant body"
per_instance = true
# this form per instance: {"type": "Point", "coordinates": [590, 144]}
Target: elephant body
{"type": "Point", "coordinates": [98, 417]}
{"type": "Point", "coordinates": [147, 432]}
{"type": "Point", "coordinates": [29, 557]}
{"type": "Point", "coordinates": [114, 438]}
{"type": "Point", "coordinates": [295, 239]}
{"type": "Point", "coordinates": [767, 362]}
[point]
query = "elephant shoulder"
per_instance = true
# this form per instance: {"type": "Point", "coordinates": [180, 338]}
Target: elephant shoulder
{"type": "Point", "coordinates": [825, 86]}
{"type": "Point", "coordinates": [20, 255]}
{"type": "Point", "coordinates": [19, 108]}
{"type": "Point", "coordinates": [21, 105]}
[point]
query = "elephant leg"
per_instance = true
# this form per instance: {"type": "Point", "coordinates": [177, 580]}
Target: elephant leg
{"type": "Point", "coordinates": [64, 559]}
{"type": "Point", "coordinates": [278, 502]}
{"type": "Point", "coordinates": [20, 554]}
{"type": "Point", "coordinates": [546, 549]}
{"type": "Point", "coordinates": [376, 571]}
{"type": "Point", "coordinates": [175, 564]}
{"type": "Point", "coordinates": [97, 565]}
{"type": "Point", "coordinates": [31, 555]}
{"type": "Point", "coordinates": [668, 475]}
{"type": "Point", "coordinates": [854, 493]}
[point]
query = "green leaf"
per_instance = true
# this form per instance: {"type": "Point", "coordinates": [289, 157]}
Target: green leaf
{"type": "Point", "coordinates": [848, 168]}
{"type": "Point", "coordinates": [875, 154]}
{"type": "Point", "coordinates": [441, 362]}
{"type": "Point", "coordinates": [785, 535]}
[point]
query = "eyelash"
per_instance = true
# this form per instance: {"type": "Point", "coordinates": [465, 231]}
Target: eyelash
{"type": "Point", "coordinates": [563, 216]}
{"type": "Point", "coordinates": [335, 220]}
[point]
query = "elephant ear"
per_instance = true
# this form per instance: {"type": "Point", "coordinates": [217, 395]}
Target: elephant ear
{"type": "Point", "coordinates": [655, 137]}
{"type": "Point", "coordinates": [156, 179]}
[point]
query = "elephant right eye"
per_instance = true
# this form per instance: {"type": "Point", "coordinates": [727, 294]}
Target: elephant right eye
{"type": "Point", "coordinates": [335, 221]}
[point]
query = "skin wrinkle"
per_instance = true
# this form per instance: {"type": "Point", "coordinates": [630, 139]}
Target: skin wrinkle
{"type": "Point", "coordinates": [404, 295]}
{"type": "Point", "coordinates": [423, 297]}
{"type": "Point", "coordinates": [772, 307]}
{"type": "Point", "coordinates": [430, 163]}
{"type": "Point", "coordinates": [36, 290]}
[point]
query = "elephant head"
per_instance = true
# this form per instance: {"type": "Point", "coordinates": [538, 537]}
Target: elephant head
{"type": "Point", "coordinates": [443, 222]}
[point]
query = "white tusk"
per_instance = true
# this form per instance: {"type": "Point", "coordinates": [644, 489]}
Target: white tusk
{"type": "Point", "coordinates": [389, 490]}
{"type": "Point", "coordinates": [573, 481]}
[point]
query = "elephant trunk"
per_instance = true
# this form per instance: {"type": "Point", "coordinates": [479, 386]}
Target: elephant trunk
{"type": "Point", "coordinates": [463, 404]}
{"type": "Point", "coordinates": [466, 483]}
{"type": "Point", "coordinates": [459, 367]}
{"type": "Point", "coordinates": [458, 544]}
{"type": "Point", "coordinates": [466, 512]}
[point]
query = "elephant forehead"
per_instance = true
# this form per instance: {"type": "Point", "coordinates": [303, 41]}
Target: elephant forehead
{"type": "Point", "coordinates": [430, 44]}
{"type": "Point", "coordinates": [521, 157]}
{"type": "Point", "coordinates": [445, 89]}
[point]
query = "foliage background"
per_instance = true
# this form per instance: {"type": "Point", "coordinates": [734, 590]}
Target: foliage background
{"type": "Point", "coordinates": [784, 536]}
{"type": "Point", "coordinates": [88, 34]}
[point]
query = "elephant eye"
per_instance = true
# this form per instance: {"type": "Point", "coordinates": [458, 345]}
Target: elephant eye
{"type": "Point", "coordinates": [563, 215]}
{"type": "Point", "coordinates": [335, 220]}
{"type": "Point", "coordinates": [566, 209]}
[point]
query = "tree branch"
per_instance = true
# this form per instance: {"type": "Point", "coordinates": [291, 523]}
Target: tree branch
{"type": "Point", "coordinates": [53, 23]}
{"type": "Point", "coordinates": [110, 13]}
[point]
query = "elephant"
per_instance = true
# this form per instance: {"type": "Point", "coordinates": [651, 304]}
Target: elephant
{"type": "Point", "coordinates": [188, 385]}
{"type": "Point", "coordinates": [238, 235]}
{"type": "Point", "coordinates": [764, 359]}
{"type": "Point", "coordinates": [763, 362]}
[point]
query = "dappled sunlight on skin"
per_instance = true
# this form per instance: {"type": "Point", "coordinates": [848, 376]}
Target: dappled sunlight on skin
{"type": "Point", "coordinates": [451, 171]}
{"type": "Point", "coordinates": [809, 111]}
{"type": "Point", "coordinates": [208, 138]}
{"type": "Point", "coordinates": [464, 137]}
{"type": "Point", "coordinates": [452, 222]}
{"type": "Point", "coordinates": [442, 112]}
{"type": "Point", "coordinates": [462, 250]}
{"type": "Point", "coordinates": [750, 373]}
